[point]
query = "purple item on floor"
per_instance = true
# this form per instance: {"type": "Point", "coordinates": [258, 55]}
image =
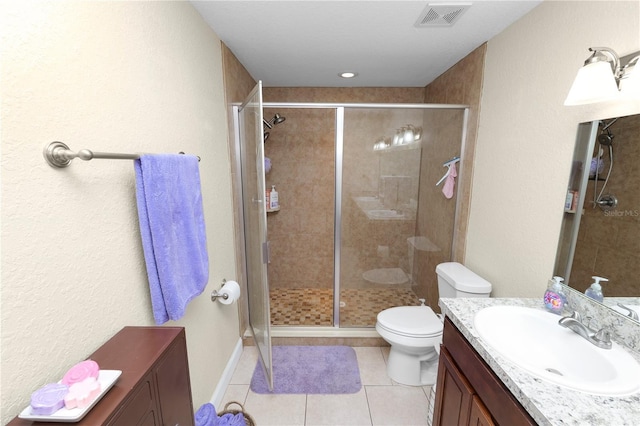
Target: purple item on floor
{"type": "Point", "coordinates": [231, 420]}
{"type": "Point", "coordinates": [310, 370]}
{"type": "Point", "coordinates": [206, 415]}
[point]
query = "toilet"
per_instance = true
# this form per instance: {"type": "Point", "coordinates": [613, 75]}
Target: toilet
{"type": "Point", "coordinates": [415, 332]}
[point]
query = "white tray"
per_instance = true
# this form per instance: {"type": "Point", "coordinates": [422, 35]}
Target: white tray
{"type": "Point", "coordinates": [106, 378]}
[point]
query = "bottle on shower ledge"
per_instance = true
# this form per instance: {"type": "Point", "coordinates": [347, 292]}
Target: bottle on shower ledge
{"type": "Point", "coordinates": [273, 199]}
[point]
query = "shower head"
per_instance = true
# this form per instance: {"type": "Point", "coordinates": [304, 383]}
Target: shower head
{"type": "Point", "coordinates": [605, 139]}
{"type": "Point", "coordinates": [277, 119]}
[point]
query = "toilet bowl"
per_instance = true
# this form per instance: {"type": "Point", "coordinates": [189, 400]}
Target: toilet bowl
{"type": "Point", "coordinates": [415, 332]}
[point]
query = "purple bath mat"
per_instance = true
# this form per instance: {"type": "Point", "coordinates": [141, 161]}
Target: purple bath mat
{"type": "Point", "coordinates": [310, 369]}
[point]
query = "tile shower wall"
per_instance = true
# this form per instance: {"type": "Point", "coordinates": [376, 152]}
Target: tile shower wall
{"type": "Point", "coordinates": [609, 241]}
{"type": "Point", "coordinates": [436, 219]}
{"type": "Point", "coordinates": [301, 150]}
{"type": "Point", "coordinates": [368, 243]}
{"type": "Point", "coordinates": [461, 84]}
{"type": "Point", "coordinates": [303, 168]}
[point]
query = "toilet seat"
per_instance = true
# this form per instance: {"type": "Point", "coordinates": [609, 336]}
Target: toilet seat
{"type": "Point", "coordinates": [411, 321]}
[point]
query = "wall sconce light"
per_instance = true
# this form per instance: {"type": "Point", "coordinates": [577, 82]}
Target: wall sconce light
{"type": "Point", "coordinates": [606, 76]}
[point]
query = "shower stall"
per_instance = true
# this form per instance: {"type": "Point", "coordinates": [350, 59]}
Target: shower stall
{"type": "Point", "coordinates": [361, 224]}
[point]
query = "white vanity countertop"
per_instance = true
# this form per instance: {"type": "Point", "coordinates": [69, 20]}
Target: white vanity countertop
{"type": "Point", "coordinates": [547, 403]}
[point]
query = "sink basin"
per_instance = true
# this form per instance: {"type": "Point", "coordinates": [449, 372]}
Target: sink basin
{"type": "Point", "coordinates": [532, 340]}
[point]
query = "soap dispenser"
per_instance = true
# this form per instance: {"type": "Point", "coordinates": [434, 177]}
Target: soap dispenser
{"type": "Point", "coordinates": [554, 297]}
{"type": "Point", "coordinates": [595, 291]}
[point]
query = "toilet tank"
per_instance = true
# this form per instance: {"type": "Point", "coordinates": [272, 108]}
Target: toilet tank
{"type": "Point", "coordinates": [455, 280]}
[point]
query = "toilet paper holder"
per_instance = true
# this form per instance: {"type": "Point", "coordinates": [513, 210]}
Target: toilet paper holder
{"type": "Point", "coordinates": [228, 293]}
{"type": "Point", "coordinates": [215, 294]}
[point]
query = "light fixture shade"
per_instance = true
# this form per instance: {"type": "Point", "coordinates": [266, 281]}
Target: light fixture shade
{"type": "Point", "coordinates": [630, 84]}
{"type": "Point", "coordinates": [594, 83]}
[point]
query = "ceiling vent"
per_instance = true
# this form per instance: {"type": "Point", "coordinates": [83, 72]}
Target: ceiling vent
{"type": "Point", "coordinates": [441, 14]}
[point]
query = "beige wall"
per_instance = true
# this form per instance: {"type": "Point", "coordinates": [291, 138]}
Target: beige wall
{"type": "Point", "coordinates": [526, 136]}
{"type": "Point", "coordinates": [107, 76]}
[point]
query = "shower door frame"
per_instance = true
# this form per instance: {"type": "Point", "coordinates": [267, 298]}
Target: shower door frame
{"type": "Point", "coordinates": [339, 145]}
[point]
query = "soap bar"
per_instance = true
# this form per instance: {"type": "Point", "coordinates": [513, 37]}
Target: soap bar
{"type": "Point", "coordinates": [82, 393]}
{"type": "Point", "coordinates": [48, 399]}
{"type": "Point", "coordinates": [81, 371]}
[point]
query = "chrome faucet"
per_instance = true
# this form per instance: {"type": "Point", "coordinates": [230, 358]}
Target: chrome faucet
{"type": "Point", "coordinates": [601, 338]}
{"type": "Point", "coordinates": [632, 314]}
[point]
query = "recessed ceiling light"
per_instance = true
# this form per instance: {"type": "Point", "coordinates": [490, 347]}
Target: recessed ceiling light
{"type": "Point", "coordinates": [348, 74]}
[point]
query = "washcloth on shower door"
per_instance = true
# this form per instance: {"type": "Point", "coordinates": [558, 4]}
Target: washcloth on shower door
{"type": "Point", "coordinates": [450, 181]}
{"type": "Point", "coordinates": [173, 231]}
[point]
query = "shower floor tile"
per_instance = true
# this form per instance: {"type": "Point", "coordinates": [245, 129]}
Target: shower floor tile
{"type": "Point", "coordinates": [301, 306]}
{"type": "Point", "coordinates": [361, 306]}
{"type": "Point", "coordinates": [311, 307]}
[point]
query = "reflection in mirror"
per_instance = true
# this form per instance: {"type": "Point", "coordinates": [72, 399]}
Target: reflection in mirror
{"type": "Point", "coordinates": [600, 233]}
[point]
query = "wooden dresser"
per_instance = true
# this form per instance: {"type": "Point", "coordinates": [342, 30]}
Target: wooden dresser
{"type": "Point", "coordinates": [154, 388]}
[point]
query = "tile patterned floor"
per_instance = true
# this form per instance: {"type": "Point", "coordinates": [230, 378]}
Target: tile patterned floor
{"type": "Point", "coordinates": [380, 401]}
{"type": "Point", "coordinates": [310, 307]}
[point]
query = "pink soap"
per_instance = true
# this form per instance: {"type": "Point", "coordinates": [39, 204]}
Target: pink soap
{"type": "Point", "coordinates": [82, 393]}
{"type": "Point", "coordinates": [81, 371]}
{"type": "Point", "coordinates": [48, 399]}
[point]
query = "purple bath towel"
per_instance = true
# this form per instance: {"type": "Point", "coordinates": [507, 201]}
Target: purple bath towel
{"type": "Point", "coordinates": [173, 231]}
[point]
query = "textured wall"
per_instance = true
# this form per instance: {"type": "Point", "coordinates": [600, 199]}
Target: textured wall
{"type": "Point", "coordinates": [108, 76]}
{"type": "Point", "coordinates": [526, 136]}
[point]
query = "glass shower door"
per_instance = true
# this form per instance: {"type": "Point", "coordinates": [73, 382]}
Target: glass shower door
{"type": "Point", "coordinates": [255, 224]}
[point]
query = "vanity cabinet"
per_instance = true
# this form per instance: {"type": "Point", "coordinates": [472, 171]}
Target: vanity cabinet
{"type": "Point", "coordinates": [468, 392]}
{"type": "Point", "coordinates": [154, 388]}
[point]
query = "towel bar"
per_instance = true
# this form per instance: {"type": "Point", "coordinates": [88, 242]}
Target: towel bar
{"type": "Point", "coordinates": [59, 155]}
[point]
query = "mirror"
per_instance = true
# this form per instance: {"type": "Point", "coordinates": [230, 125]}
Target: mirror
{"type": "Point", "coordinates": [600, 233]}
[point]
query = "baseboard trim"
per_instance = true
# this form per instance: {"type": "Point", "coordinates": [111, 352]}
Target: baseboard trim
{"type": "Point", "coordinates": [225, 379]}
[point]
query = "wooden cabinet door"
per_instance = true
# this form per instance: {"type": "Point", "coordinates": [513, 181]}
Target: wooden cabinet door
{"type": "Point", "coordinates": [140, 408]}
{"type": "Point", "coordinates": [174, 389]}
{"type": "Point", "coordinates": [479, 415]}
{"type": "Point", "coordinates": [454, 395]}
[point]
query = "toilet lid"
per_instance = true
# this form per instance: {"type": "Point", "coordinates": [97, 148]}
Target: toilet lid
{"type": "Point", "coordinates": [418, 321]}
